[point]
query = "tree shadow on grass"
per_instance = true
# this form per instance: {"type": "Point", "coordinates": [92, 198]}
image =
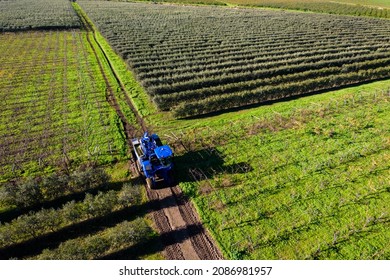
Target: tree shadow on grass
{"type": "Point", "coordinates": [155, 244]}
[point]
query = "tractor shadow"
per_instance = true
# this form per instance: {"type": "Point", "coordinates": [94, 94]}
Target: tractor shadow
{"type": "Point", "coordinates": [206, 163]}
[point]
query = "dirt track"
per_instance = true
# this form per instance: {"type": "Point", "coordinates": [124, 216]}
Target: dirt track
{"type": "Point", "coordinates": [176, 218]}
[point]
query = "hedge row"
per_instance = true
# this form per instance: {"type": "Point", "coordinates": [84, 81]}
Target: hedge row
{"type": "Point", "coordinates": [122, 236]}
{"type": "Point", "coordinates": [35, 224]}
{"type": "Point", "coordinates": [33, 191]}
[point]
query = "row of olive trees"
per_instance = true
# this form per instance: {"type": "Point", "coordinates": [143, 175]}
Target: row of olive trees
{"type": "Point", "coordinates": [45, 221]}
{"type": "Point", "coordinates": [33, 191]}
{"type": "Point", "coordinates": [245, 59]}
{"type": "Point", "coordinates": [121, 236]}
{"type": "Point", "coordinates": [262, 94]}
{"type": "Point", "coordinates": [263, 71]}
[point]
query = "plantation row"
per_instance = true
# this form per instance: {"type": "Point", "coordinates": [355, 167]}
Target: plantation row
{"type": "Point", "coordinates": [122, 236]}
{"type": "Point", "coordinates": [35, 191]}
{"type": "Point", "coordinates": [247, 57]}
{"type": "Point", "coordinates": [22, 236]}
{"type": "Point", "coordinates": [331, 7]}
{"type": "Point", "coordinates": [37, 14]}
{"type": "Point", "coordinates": [54, 109]}
{"type": "Point", "coordinates": [38, 223]}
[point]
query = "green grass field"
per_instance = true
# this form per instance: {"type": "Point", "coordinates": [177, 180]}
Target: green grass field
{"type": "Point", "coordinates": [54, 105]}
{"type": "Point", "coordinates": [303, 179]}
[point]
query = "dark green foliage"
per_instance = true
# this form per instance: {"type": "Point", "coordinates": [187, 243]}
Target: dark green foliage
{"type": "Point", "coordinates": [87, 179]}
{"type": "Point", "coordinates": [21, 194]}
{"type": "Point", "coordinates": [129, 194]}
{"type": "Point", "coordinates": [123, 235]}
{"type": "Point", "coordinates": [34, 224]}
{"type": "Point", "coordinates": [197, 60]}
{"type": "Point", "coordinates": [100, 204]}
{"type": "Point", "coordinates": [54, 184]}
{"type": "Point", "coordinates": [31, 191]}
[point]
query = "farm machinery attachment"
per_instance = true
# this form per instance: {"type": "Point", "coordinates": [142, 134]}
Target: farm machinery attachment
{"type": "Point", "coordinates": [154, 160]}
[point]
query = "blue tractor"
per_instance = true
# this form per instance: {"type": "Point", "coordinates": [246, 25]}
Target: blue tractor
{"type": "Point", "coordinates": [154, 160]}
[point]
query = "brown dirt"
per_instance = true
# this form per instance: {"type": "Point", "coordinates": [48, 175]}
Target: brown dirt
{"type": "Point", "coordinates": [176, 218]}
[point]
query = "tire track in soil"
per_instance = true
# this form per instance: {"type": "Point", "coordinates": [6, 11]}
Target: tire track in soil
{"type": "Point", "coordinates": [173, 214]}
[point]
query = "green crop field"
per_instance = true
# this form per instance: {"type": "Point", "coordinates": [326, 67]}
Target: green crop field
{"type": "Point", "coordinates": [303, 179]}
{"type": "Point", "coordinates": [54, 108]}
{"type": "Point", "coordinates": [248, 57]}
{"type": "Point", "coordinates": [65, 187]}
{"type": "Point", "coordinates": [291, 160]}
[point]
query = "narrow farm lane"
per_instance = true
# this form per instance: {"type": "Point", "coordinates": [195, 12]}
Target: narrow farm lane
{"type": "Point", "coordinates": [182, 233]}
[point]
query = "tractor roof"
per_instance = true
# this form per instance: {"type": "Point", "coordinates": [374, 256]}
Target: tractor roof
{"type": "Point", "coordinates": [163, 152]}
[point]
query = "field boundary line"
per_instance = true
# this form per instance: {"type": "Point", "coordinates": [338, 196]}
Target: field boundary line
{"type": "Point", "coordinates": [92, 30]}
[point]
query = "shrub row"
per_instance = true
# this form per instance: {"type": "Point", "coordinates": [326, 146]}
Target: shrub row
{"type": "Point", "coordinates": [259, 70]}
{"type": "Point", "coordinates": [37, 14]}
{"type": "Point", "coordinates": [42, 222]}
{"type": "Point", "coordinates": [33, 191]}
{"type": "Point", "coordinates": [246, 59]}
{"type": "Point", "coordinates": [121, 236]}
{"type": "Point", "coordinates": [226, 101]}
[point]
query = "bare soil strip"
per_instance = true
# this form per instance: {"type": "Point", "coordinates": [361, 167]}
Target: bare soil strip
{"type": "Point", "coordinates": [177, 218]}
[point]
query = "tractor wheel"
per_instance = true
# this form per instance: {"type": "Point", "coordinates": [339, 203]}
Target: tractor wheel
{"type": "Point", "coordinates": [149, 182]}
{"type": "Point", "coordinates": [171, 177]}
